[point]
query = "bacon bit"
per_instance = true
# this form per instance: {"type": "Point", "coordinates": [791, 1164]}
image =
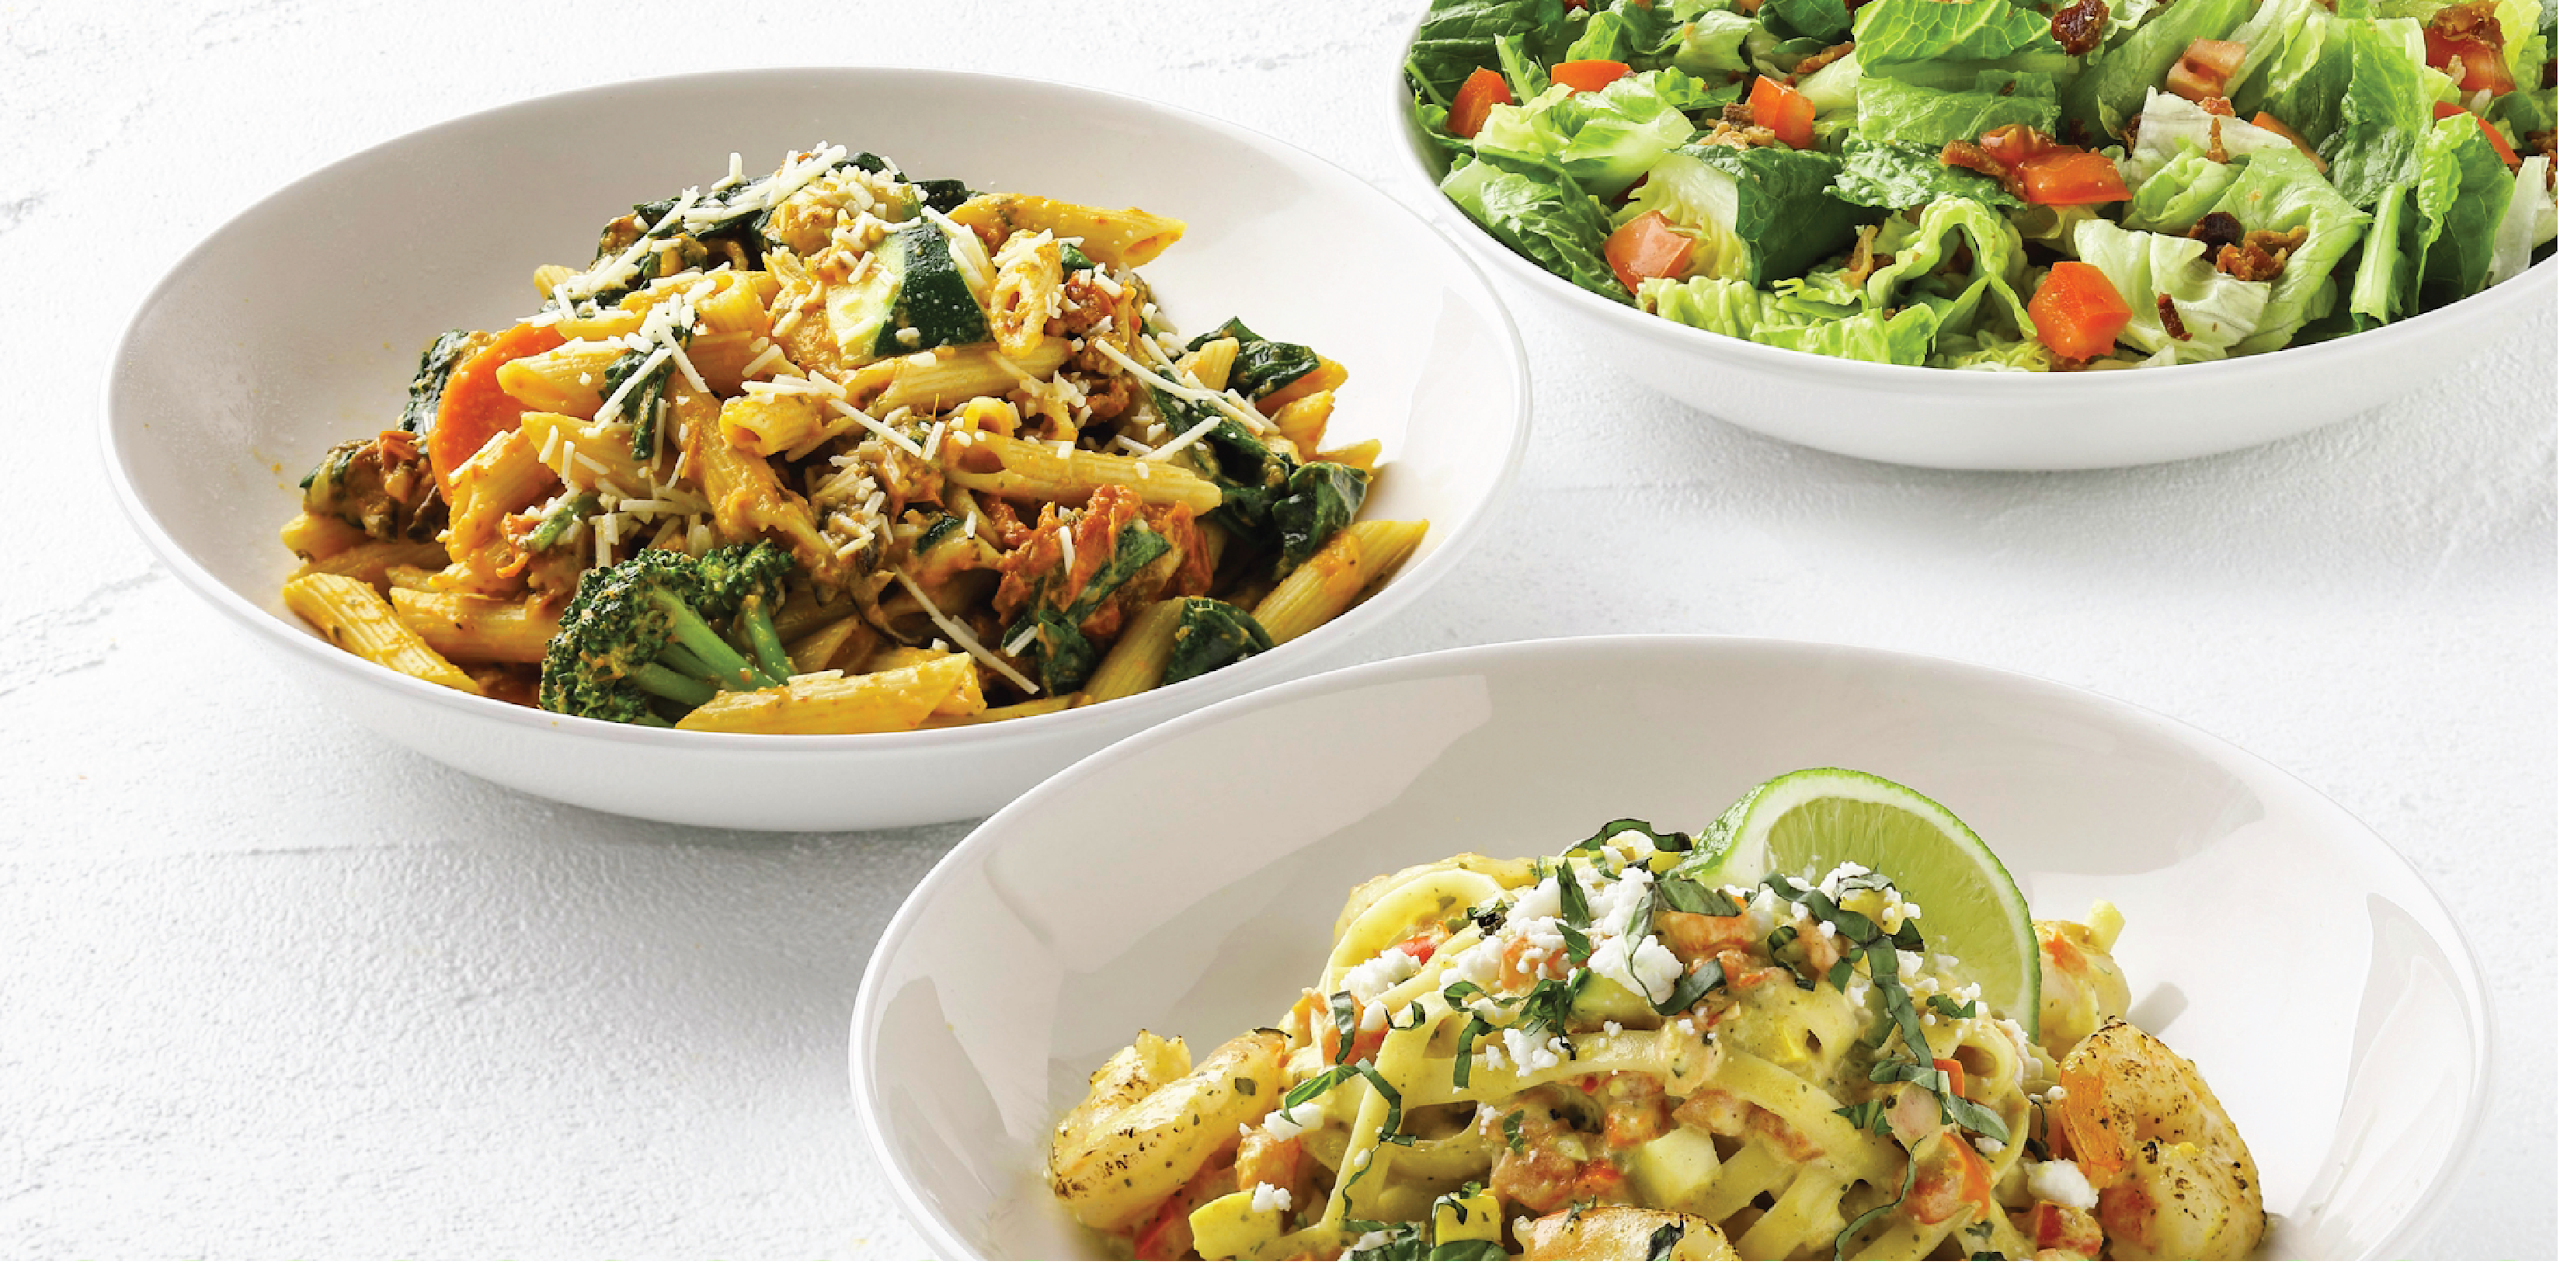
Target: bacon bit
{"type": "Point", "coordinates": [1843, 49]}
{"type": "Point", "coordinates": [1863, 260]}
{"type": "Point", "coordinates": [2543, 142]}
{"type": "Point", "coordinates": [2169, 320]}
{"type": "Point", "coordinates": [1744, 137]}
{"type": "Point", "coordinates": [2217, 230]}
{"type": "Point", "coordinates": [2260, 255]}
{"type": "Point", "coordinates": [2475, 21]}
{"type": "Point", "coordinates": [2215, 150]}
{"type": "Point", "coordinates": [2216, 105]}
{"type": "Point", "coordinates": [1737, 113]}
{"type": "Point", "coordinates": [1972, 157]}
{"type": "Point", "coordinates": [2080, 25]}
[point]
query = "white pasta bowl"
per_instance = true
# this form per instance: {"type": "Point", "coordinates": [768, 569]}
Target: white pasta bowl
{"type": "Point", "coordinates": [1945, 419]}
{"type": "Point", "coordinates": [1185, 881]}
{"type": "Point", "coordinates": [298, 324]}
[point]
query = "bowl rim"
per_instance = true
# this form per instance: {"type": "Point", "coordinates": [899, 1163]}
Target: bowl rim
{"type": "Point", "coordinates": [1387, 599]}
{"type": "Point", "coordinates": [1412, 169]}
{"type": "Point", "coordinates": [970, 850]}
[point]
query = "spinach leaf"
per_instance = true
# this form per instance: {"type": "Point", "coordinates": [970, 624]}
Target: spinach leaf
{"type": "Point", "coordinates": [1262, 365]}
{"type": "Point", "coordinates": [1060, 654]}
{"type": "Point", "coordinates": [426, 389]}
{"type": "Point", "coordinates": [1210, 634]}
{"type": "Point", "coordinates": [1323, 497]}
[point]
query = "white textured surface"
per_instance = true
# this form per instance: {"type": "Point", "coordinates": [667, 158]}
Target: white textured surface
{"type": "Point", "coordinates": [268, 985]}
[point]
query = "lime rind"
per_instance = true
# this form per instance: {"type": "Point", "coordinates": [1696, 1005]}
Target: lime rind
{"type": "Point", "coordinates": [1805, 823]}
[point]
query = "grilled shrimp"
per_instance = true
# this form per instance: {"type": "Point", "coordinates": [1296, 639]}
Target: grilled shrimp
{"type": "Point", "coordinates": [2173, 1178]}
{"type": "Point", "coordinates": [1150, 1122]}
{"type": "Point", "coordinates": [2083, 988]}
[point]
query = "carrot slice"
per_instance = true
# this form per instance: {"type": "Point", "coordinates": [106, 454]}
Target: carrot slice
{"type": "Point", "coordinates": [1475, 100]}
{"type": "Point", "coordinates": [473, 409]}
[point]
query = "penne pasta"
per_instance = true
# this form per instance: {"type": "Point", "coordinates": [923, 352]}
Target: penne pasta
{"type": "Point", "coordinates": [1138, 658]}
{"type": "Point", "coordinates": [355, 617]}
{"type": "Point", "coordinates": [888, 701]}
{"type": "Point", "coordinates": [1019, 469]}
{"type": "Point", "coordinates": [1317, 592]}
{"type": "Point", "coordinates": [476, 629]}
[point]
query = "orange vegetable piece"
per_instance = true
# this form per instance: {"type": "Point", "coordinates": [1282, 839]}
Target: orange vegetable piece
{"type": "Point", "coordinates": [2077, 311]}
{"type": "Point", "coordinates": [1783, 110]}
{"type": "Point", "coordinates": [473, 409]}
{"type": "Point", "coordinates": [1588, 76]}
{"type": "Point", "coordinates": [2506, 152]}
{"type": "Point", "coordinates": [2270, 122]}
{"type": "Point", "coordinates": [2484, 65]}
{"type": "Point", "coordinates": [1475, 100]}
{"type": "Point", "coordinates": [2065, 176]}
{"type": "Point", "coordinates": [1646, 246]}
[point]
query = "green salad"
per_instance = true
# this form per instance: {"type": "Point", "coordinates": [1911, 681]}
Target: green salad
{"type": "Point", "coordinates": [2003, 184]}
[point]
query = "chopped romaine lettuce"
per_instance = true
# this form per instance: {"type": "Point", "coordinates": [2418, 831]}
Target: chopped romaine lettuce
{"type": "Point", "coordinates": [1894, 177]}
{"type": "Point", "coordinates": [2463, 190]}
{"type": "Point", "coordinates": [2110, 90]}
{"type": "Point", "coordinates": [1735, 309]}
{"type": "Point", "coordinates": [1457, 37]}
{"type": "Point", "coordinates": [2280, 191]}
{"type": "Point", "coordinates": [1603, 139]}
{"type": "Point", "coordinates": [1893, 33]}
{"type": "Point", "coordinates": [1757, 214]}
{"type": "Point", "coordinates": [1712, 44]}
{"type": "Point", "coordinates": [2531, 218]}
{"type": "Point", "coordinates": [2172, 125]}
{"type": "Point", "coordinates": [1543, 216]}
{"type": "Point", "coordinates": [2179, 192]}
{"type": "Point", "coordinates": [2214, 310]}
{"type": "Point", "coordinates": [1891, 111]}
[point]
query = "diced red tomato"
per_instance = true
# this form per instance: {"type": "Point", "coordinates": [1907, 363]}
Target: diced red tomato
{"type": "Point", "coordinates": [2077, 311]}
{"type": "Point", "coordinates": [2497, 141]}
{"type": "Point", "coordinates": [2270, 122]}
{"type": "Point", "coordinates": [1646, 246]}
{"type": "Point", "coordinates": [2205, 69]}
{"type": "Point", "coordinates": [2064, 176]}
{"type": "Point", "coordinates": [1588, 76]}
{"type": "Point", "coordinates": [1423, 942]}
{"type": "Point", "coordinates": [1952, 1176]}
{"type": "Point", "coordinates": [2013, 144]}
{"type": "Point", "coordinates": [1475, 100]}
{"type": "Point", "coordinates": [2483, 64]}
{"type": "Point", "coordinates": [1783, 110]}
{"type": "Point", "coordinates": [473, 409]}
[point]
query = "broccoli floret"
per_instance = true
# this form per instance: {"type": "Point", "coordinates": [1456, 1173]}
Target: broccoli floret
{"type": "Point", "coordinates": [658, 627]}
{"type": "Point", "coordinates": [744, 586]}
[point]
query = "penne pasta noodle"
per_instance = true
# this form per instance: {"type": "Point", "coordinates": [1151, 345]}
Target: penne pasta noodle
{"type": "Point", "coordinates": [1317, 592]}
{"type": "Point", "coordinates": [1020, 469]}
{"type": "Point", "coordinates": [888, 701]}
{"type": "Point", "coordinates": [356, 618]}
{"type": "Point", "coordinates": [476, 629]}
{"type": "Point", "coordinates": [1138, 658]}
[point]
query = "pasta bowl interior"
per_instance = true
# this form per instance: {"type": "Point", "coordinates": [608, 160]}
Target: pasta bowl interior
{"type": "Point", "coordinates": [298, 326]}
{"type": "Point", "coordinates": [1145, 889]}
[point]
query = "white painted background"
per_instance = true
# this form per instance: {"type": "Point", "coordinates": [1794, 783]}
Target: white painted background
{"type": "Point", "coordinates": [269, 985]}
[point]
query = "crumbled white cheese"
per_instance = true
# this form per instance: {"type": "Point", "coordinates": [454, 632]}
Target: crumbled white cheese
{"type": "Point", "coordinates": [1285, 1124]}
{"type": "Point", "coordinates": [1380, 973]}
{"type": "Point", "coordinates": [1267, 1197]}
{"type": "Point", "coordinates": [2061, 1183]}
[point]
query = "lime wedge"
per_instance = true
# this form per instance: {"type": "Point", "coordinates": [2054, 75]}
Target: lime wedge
{"type": "Point", "coordinates": [1805, 823]}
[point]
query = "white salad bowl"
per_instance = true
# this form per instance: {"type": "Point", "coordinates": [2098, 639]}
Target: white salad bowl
{"type": "Point", "coordinates": [297, 325]}
{"type": "Point", "coordinates": [1185, 882]}
{"type": "Point", "coordinates": [1938, 418]}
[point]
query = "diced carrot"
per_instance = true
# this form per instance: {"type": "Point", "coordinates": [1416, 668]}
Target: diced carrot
{"type": "Point", "coordinates": [2483, 64]}
{"type": "Point", "coordinates": [2205, 69]}
{"type": "Point", "coordinates": [2065, 176]}
{"type": "Point", "coordinates": [2497, 141]}
{"type": "Point", "coordinates": [1588, 76]}
{"type": "Point", "coordinates": [1646, 246]}
{"type": "Point", "coordinates": [1783, 110]}
{"type": "Point", "coordinates": [473, 409]}
{"type": "Point", "coordinates": [1954, 1073]}
{"type": "Point", "coordinates": [2270, 122]}
{"type": "Point", "coordinates": [1475, 100]}
{"type": "Point", "coordinates": [2077, 311]}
